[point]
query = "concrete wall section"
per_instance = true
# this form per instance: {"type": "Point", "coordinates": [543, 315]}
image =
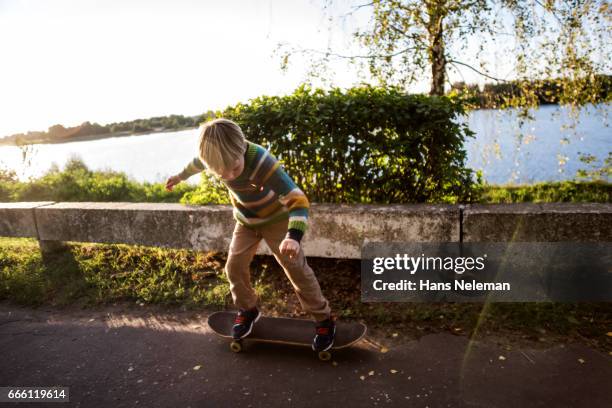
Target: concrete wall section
{"type": "Point", "coordinates": [338, 231]}
{"type": "Point", "coordinates": [17, 219]}
{"type": "Point", "coordinates": [164, 225]}
{"type": "Point", "coordinates": [532, 222]}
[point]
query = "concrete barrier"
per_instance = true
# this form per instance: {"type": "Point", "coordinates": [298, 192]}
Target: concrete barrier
{"type": "Point", "coordinates": [533, 222]}
{"type": "Point", "coordinates": [336, 231]}
{"type": "Point", "coordinates": [339, 231]}
{"type": "Point", "coordinates": [18, 219]}
{"type": "Point", "coordinates": [164, 225]}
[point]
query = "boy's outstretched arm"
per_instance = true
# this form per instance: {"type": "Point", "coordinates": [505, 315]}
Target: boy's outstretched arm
{"type": "Point", "coordinates": [195, 166]}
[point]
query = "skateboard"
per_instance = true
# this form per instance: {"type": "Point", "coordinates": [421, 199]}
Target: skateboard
{"type": "Point", "coordinates": [284, 330]}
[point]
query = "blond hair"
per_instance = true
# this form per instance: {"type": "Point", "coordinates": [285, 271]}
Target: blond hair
{"type": "Point", "coordinates": [221, 143]}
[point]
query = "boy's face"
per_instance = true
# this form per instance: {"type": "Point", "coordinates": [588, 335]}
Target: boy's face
{"type": "Point", "coordinates": [231, 173]}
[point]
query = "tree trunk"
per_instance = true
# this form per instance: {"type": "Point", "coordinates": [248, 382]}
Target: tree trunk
{"type": "Point", "coordinates": [436, 47]}
{"type": "Point", "coordinates": [438, 67]}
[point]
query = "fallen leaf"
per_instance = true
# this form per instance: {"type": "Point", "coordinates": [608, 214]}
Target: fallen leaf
{"type": "Point", "coordinates": [393, 371]}
{"type": "Point", "coordinates": [502, 358]}
{"type": "Point", "coordinates": [334, 363]}
{"type": "Point", "coordinates": [362, 377]}
{"type": "Point", "coordinates": [394, 335]}
{"type": "Point", "coordinates": [197, 367]}
{"type": "Point", "coordinates": [609, 334]}
{"type": "Point", "coordinates": [384, 349]}
{"type": "Point", "coordinates": [581, 361]}
{"type": "Point", "coordinates": [371, 372]}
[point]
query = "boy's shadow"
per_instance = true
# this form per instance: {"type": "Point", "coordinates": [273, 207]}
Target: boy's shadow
{"type": "Point", "coordinates": [63, 275]}
{"type": "Point", "coordinates": [259, 350]}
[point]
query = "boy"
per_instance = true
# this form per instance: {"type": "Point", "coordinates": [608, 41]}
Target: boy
{"type": "Point", "coordinates": [267, 205]}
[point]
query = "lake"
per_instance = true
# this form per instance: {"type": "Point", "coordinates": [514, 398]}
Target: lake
{"type": "Point", "coordinates": [547, 151]}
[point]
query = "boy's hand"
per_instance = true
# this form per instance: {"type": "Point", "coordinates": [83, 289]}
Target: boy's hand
{"type": "Point", "coordinates": [172, 181]}
{"type": "Point", "coordinates": [289, 247]}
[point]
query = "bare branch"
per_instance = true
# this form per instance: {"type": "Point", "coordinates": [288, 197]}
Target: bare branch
{"type": "Point", "coordinates": [363, 5]}
{"type": "Point", "coordinates": [412, 36]}
{"type": "Point", "coordinates": [475, 70]}
{"type": "Point", "coordinates": [333, 54]}
{"type": "Point", "coordinates": [354, 9]}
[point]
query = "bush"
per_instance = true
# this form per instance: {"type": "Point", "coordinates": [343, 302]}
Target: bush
{"type": "Point", "coordinates": [364, 145]}
{"type": "Point", "coordinates": [77, 183]}
{"type": "Point", "coordinates": [8, 179]}
{"type": "Point", "coordinates": [210, 191]}
{"type": "Point", "coordinates": [562, 191]}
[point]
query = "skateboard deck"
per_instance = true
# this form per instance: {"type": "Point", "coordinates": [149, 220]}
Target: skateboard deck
{"type": "Point", "coordinates": [284, 330]}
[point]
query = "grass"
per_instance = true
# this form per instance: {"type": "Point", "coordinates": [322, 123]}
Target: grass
{"type": "Point", "coordinates": [94, 274]}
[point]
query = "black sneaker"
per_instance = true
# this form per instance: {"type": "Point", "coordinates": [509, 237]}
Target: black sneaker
{"type": "Point", "coordinates": [324, 337]}
{"type": "Point", "coordinates": [243, 323]}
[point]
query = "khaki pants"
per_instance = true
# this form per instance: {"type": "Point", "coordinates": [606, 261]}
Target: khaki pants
{"type": "Point", "coordinates": [242, 249]}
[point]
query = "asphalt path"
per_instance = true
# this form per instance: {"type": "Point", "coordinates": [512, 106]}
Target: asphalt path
{"type": "Point", "coordinates": [126, 355]}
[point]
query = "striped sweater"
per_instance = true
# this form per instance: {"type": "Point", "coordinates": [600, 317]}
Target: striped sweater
{"type": "Point", "coordinates": [263, 193]}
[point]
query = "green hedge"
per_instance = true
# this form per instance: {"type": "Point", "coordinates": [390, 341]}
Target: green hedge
{"type": "Point", "coordinates": [364, 144]}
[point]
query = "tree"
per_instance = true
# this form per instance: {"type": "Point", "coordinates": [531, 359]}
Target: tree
{"type": "Point", "coordinates": [564, 41]}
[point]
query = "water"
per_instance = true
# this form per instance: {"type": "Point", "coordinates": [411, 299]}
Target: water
{"type": "Point", "coordinates": [544, 153]}
{"type": "Point", "coordinates": [546, 149]}
{"type": "Point", "coordinates": [153, 157]}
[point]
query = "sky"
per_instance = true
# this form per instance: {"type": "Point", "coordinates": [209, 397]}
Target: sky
{"type": "Point", "coordinates": [66, 62]}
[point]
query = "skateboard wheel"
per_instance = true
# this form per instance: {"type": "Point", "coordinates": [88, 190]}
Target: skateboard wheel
{"type": "Point", "coordinates": [236, 346]}
{"type": "Point", "coordinates": [324, 355]}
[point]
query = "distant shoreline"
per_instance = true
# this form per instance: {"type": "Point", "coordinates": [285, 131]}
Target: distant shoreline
{"type": "Point", "coordinates": [87, 138]}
